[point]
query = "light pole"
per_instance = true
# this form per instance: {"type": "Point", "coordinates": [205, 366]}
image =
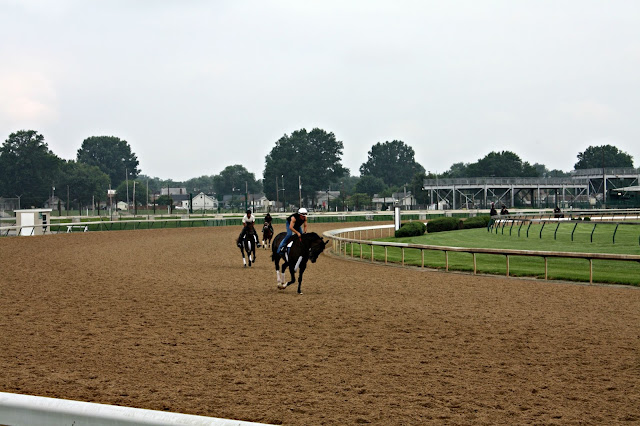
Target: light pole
{"type": "Point", "coordinates": [284, 202]}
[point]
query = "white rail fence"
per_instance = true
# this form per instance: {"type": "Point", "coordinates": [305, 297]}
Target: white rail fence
{"type": "Point", "coordinates": [17, 410]}
{"type": "Point", "coordinates": [341, 244]}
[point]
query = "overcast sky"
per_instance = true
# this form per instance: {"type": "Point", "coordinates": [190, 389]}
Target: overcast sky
{"type": "Point", "coordinates": [195, 86]}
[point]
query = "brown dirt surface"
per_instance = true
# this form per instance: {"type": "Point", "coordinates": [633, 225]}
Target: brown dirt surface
{"type": "Point", "coordinates": [170, 320]}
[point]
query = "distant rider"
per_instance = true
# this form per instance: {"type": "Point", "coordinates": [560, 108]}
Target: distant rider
{"type": "Point", "coordinates": [248, 220]}
{"type": "Point", "coordinates": [267, 221]}
{"type": "Point", "coordinates": [296, 224]}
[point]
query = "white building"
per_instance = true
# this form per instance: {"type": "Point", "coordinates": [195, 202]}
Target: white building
{"type": "Point", "coordinates": [203, 202]}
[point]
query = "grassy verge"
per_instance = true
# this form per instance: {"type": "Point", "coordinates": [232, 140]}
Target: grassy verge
{"type": "Point", "coordinates": [542, 239]}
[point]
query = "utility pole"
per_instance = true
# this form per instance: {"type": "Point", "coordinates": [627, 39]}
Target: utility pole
{"type": "Point", "coordinates": [135, 210]}
{"type": "Point", "coordinates": [246, 195]}
{"type": "Point", "coordinates": [604, 182]}
{"type": "Point", "coordinates": [126, 178]}
{"type": "Point", "coordinates": [284, 201]}
{"type": "Point", "coordinates": [299, 192]}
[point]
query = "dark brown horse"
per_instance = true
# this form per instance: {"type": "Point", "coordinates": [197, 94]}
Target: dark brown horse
{"type": "Point", "coordinates": [295, 257]}
{"type": "Point", "coordinates": [267, 234]}
{"type": "Point", "coordinates": [248, 245]}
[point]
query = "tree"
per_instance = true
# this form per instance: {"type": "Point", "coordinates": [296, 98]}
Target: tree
{"type": "Point", "coordinates": [164, 200]}
{"type": "Point", "coordinates": [204, 184]}
{"type": "Point", "coordinates": [603, 156]}
{"type": "Point", "coordinates": [28, 169]}
{"type": "Point", "coordinates": [236, 179]}
{"type": "Point", "coordinates": [359, 201]}
{"type": "Point", "coordinates": [140, 192]}
{"type": "Point", "coordinates": [112, 155]}
{"type": "Point", "coordinates": [370, 185]}
{"type": "Point", "coordinates": [313, 156]}
{"type": "Point", "coordinates": [501, 164]}
{"type": "Point", "coordinates": [416, 185]}
{"type": "Point", "coordinates": [457, 170]}
{"type": "Point", "coordinates": [394, 162]}
{"type": "Point", "coordinates": [544, 172]}
{"type": "Point", "coordinates": [85, 183]}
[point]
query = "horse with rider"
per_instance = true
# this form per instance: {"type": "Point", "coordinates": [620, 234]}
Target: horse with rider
{"type": "Point", "coordinates": [267, 231]}
{"type": "Point", "coordinates": [295, 248]}
{"type": "Point", "coordinates": [248, 239]}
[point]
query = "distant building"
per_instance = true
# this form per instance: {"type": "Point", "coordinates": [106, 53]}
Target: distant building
{"type": "Point", "coordinates": [203, 202]}
{"type": "Point", "coordinates": [178, 195]}
{"type": "Point", "coordinates": [326, 199]}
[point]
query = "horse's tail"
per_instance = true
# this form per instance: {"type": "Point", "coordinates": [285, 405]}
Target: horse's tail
{"type": "Point", "coordinates": [274, 246]}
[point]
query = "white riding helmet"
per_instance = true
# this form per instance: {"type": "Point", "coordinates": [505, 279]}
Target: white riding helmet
{"type": "Point", "coordinates": [302, 210]}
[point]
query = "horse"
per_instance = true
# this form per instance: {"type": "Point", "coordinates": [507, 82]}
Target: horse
{"type": "Point", "coordinates": [267, 234]}
{"type": "Point", "coordinates": [308, 247]}
{"type": "Point", "coordinates": [248, 244]}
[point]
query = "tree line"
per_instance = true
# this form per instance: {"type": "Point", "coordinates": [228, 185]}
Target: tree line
{"type": "Point", "coordinates": [299, 166]}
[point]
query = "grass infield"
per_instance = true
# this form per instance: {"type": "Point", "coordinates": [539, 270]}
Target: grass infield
{"type": "Point", "coordinates": [548, 238]}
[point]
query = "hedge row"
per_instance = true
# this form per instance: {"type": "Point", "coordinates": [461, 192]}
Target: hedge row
{"type": "Point", "coordinates": [452, 223]}
{"type": "Point", "coordinates": [411, 229]}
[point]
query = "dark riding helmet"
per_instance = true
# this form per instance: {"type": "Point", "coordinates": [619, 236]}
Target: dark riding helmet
{"type": "Point", "coordinates": [248, 211]}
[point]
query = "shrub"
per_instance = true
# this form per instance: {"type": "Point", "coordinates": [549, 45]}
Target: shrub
{"type": "Point", "coordinates": [476, 222]}
{"type": "Point", "coordinates": [444, 224]}
{"type": "Point", "coordinates": [411, 229]}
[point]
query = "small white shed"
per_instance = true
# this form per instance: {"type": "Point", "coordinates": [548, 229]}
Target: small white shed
{"type": "Point", "coordinates": [33, 221]}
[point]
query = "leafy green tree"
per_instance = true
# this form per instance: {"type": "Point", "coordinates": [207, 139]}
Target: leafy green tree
{"type": "Point", "coordinates": [544, 172]}
{"type": "Point", "coordinates": [164, 200]}
{"type": "Point", "coordinates": [457, 170]}
{"type": "Point", "coordinates": [28, 169]}
{"type": "Point", "coordinates": [85, 183]}
{"type": "Point", "coordinates": [204, 184]}
{"type": "Point", "coordinates": [603, 156]}
{"type": "Point", "coordinates": [313, 156]}
{"type": "Point", "coordinates": [112, 155]}
{"type": "Point", "coordinates": [370, 185]}
{"type": "Point", "coordinates": [359, 201]}
{"type": "Point", "coordinates": [501, 164]}
{"type": "Point", "coordinates": [236, 179]}
{"type": "Point", "coordinates": [416, 185]}
{"type": "Point", "coordinates": [140, 192]}
{"type": "Point", "coordinates": [394, 162]}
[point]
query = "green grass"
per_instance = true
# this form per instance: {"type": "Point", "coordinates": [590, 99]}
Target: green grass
{"type": "Point", "coordinates": [540, 239]}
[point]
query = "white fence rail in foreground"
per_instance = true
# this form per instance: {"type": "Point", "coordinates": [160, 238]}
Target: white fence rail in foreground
{"type": "Point", "coordinates": [17, 410]}
{"type": "Point", "coordinates": [340, 245]}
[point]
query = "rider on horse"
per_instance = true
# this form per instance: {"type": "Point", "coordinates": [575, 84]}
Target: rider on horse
{"type": "Point", "coordinates": [247, 225]}
{"type": "Point", "coordinates": [267, 221]}
{"type": "Point", "coordinates": [296, 224]}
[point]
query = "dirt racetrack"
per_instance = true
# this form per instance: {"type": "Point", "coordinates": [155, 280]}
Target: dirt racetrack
{"type": "Point", "coordinates": [169, 320]}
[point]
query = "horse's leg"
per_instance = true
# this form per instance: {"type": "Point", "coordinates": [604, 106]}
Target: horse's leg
{"type": "Point", "coordinates": [277, 264]}
{"type": "Point", "coordinates": [293, 274]}
{"type": "Point", "coordinates": [244, 261]}
{"type": "Point", "coordinates": [303, 266]}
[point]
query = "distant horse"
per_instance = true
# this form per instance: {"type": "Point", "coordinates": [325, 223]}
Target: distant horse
{"type": "Point", "coordinates": [248, 245]}
{"type": "Point", "coordinates": [310, 246]}
{"type": "Point", "coordinates": [267, 234]}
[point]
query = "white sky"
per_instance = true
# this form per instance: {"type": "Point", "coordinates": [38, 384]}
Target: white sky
{"type": "Point", "coordinates": [195, 86]}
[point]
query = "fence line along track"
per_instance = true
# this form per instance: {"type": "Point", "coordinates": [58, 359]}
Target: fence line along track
{"type": "Point", "coordinates": [341, 244]}
{"type": "Point", "coordinates": [502, 222]}
{"type": "Point", "coordinates": [134, 223]}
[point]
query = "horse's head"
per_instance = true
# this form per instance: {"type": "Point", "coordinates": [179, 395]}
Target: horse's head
{"type": "Point", "coordinates": [316, 245]}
